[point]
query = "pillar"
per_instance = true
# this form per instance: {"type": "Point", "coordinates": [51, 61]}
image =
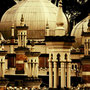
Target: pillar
{"type": "Point", "coordinates": [2, 68]}
{"type": "Point", "coordinates": [33, 69]}
{"type": "Point", "coordinates": [69, 75]}
{"type": "Point", "coordinates": [26, 67]}
{"type": "Point", "coordinates": [62, 75]}
{"type": "Point", "coordinates": [36, 66]}
{"type": "Point", "coordinates": [30, 69]}
{"type": "Point", "coordinates": [55, 74]}
{"type": "Point", "coordinates": [50, 75]}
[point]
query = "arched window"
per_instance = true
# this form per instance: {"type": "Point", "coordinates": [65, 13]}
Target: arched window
{"type": "Point", "coordinates": [65, 56]}
{"type": "Point", "coordinates": [75, 66]}
{"type": "Point", "coordinates": [58, 57]}
{"type": "Point", "coordinates": [31, 60]}
{"type": "Point", "coordinates": [72, 66]}
{"type": "Point", "coordinates": [51, 56]}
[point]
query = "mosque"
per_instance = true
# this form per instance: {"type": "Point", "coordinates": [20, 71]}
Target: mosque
{"type": "Point", "coordinates": [36, 49]}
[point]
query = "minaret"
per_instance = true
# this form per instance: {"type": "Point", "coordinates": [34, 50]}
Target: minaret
{"type": "Point", "coordinates": [47, 29]}
{"type": "Point", "coordinates": [12, 39]}
{"type": "Point", "coordinates": [59, 45]}
{"type": "Point", "coordinates": [22, 48]}
{"type": "Point", "coordinates": [60, 31]}
{"type": "Point", "coordinates": [22, 21]}
{"type": "Point", "coordinates": [11, 55]}
{"type": "Point", "coordinates": [22, 33]}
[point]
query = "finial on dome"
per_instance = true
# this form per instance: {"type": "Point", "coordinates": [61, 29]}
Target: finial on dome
{"type": "Point", "coordinates": [22, 20]}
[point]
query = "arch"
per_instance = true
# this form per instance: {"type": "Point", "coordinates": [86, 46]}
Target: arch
{"type": "Point", "coordinates": [65, 56]}
{"type": "Point", "coordinates": [72, 66]}
{"type": "Point", "coordinates": [51, 56]}
{"type": "Point", "coordinates": [58, 57]}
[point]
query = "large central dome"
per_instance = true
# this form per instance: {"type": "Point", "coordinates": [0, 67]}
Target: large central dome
{"type": "Point", "coordinates": [36, 14]}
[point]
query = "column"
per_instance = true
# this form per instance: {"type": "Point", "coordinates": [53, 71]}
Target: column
{"type": "Point", "coordinates": [19, 39]}
{"type": "Point", "coordinates": [55, 74]}
{"type": "Point", "coordinates": [3, 67]}
{"type": "Point", "coordinates": [26, 67]}
{"type": "Point", "coordinates": [25, 39]}
{"type": "Point", "coordinates": [35, 72]}
{"type": "Point", "coordinates": [50, 75]}
{"type": "Point", "coordinates": [36, 66]}
{"type": "Point", "coordinates": [33, 69]}
{"type": "Point", "coordinates": [30, 69]}
{"type": "Point", "coordinates": [62, 75]}
{"type": "Point", "coordinates": [69, 75]}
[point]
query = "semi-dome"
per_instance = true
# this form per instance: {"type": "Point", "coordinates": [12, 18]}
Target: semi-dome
{"type": "Point", "coordinates": [80, 27]}
{"type": "Point", "coordinates": [36, 13]}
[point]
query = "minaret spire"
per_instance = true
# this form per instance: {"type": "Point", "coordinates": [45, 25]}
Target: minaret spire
{"type": "Point", "coordinates": [47, 29]}
{"type": "Point", "coordinates": [22, 20]}
{"type": "Point", "coordinates": [60, 21]}
{"type": "Point", "coordinates": [12, 30]}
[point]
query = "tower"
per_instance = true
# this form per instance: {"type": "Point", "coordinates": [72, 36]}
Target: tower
{"type": "Point", "coordinates": [47, 29]}
{"type": "Point", "coordinates": [22, 48]}
{"type": "Point", "coordinates": [11, 55]}
{"type": "Point", "coordinates": [59, 54]}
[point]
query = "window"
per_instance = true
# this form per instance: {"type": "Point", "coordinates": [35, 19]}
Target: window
{"type": "Point", "coordinates": [72, 66]}
{"type": "Point", "coordinates": [58, 57]}
{"type": "Point", "coordinates": [51, 56]}
{"type": "Point", "coordinates": [66, 56]}
{"type": "Point", "coordinates": [75, 66]}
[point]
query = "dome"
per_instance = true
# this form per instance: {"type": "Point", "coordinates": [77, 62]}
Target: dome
{"type": "Point", "coordinates": [36, 13]}
{"type": "Point", "coordinates": [78, 29]}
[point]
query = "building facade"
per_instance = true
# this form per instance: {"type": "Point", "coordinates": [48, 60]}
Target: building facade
{"type": "Point", "coordinates": [35, 35]}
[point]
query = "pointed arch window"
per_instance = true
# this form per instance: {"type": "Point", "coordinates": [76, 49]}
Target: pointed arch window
{"type": "Point", "coordinates": [58, 58]}
{"type": "Point", "coordinates": [65, 56]}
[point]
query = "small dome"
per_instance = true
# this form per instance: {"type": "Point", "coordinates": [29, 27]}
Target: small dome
{"type": "Point", "coordinates": [36, 13]}
{"type": "Point", "coordinates": [78, 29]}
